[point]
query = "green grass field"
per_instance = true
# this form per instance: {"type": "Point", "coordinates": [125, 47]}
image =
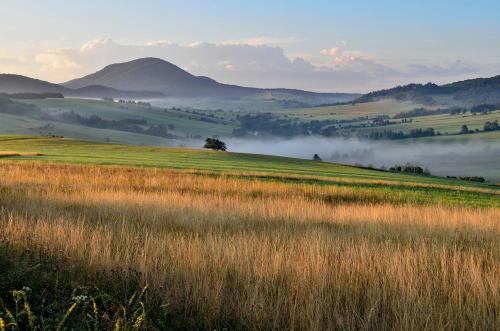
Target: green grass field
{"type": "Point", "coordinates": [445, 123]}
{"type": "Point", "coordinates": [184, 123]}
{"type": "Point", "coordinates": [414, 188]}
{"type": "Point", "coordinates": [349, 111]}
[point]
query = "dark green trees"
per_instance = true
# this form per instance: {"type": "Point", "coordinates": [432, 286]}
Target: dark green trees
{"type": "Point", "coordinates": [215, 144]}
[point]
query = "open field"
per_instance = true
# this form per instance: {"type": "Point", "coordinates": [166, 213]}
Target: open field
{"type": "Point", "coordinates": [246, 252]}
{"type": "Point", "coordinates": [20, 125]}
{"type": "Point", "coordinates": [183, 123]}
{"type": "Point", "coordinates": [74, 151]}
{"type": "Point", "coordinates": [445, 123]}
{"type": "Point", "coordinates": [349, 111]}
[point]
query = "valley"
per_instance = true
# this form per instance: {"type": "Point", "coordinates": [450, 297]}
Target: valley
{"type": "Point", "coordinates": [144, 197]}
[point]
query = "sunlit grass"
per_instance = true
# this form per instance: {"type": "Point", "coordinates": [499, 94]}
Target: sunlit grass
{"type": "Point", "coordinates": [228, 251]}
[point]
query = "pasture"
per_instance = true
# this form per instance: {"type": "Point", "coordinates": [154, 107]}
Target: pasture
{"type": "Point", "coordinates": [241, 241]}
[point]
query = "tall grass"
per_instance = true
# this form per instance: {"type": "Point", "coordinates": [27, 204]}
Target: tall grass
{"type": "Point", "coordinates": [246, 253]}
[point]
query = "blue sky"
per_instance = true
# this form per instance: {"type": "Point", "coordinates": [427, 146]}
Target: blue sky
{"type": "Point", "coordinates": [444, 39]}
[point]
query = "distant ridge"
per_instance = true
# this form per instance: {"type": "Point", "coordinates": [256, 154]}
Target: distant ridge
{"type": "Point", "coordinates": [470, 92]}
{"type": "Point", "coordinates": [153, 74]}
{"type": "Point", "coordinates": [156, 78]}
{"type": "Point", "coordinates": [21, 84]}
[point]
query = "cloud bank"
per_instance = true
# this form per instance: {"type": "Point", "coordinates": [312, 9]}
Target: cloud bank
{"type": "Point", "coordinates": [255, 62]}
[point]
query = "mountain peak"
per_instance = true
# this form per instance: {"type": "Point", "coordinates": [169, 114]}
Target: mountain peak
{"type": "Point", "coordinates": [157, 75]}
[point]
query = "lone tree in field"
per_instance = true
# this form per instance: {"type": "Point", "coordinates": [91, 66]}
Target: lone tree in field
{"type": "Point", "coordinates": [215, 144]}
{"type": "Point", "coordinates": [317, 158]}
{"type": "Point", "coordinates": [464, 129]}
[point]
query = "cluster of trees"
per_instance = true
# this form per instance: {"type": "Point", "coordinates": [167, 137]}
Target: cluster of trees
{"type": "Point", "coordinates": [393, 135]}
{"type": "Point", "coordinates": [488, 126]}
{"type": "Point", "coordinates": [215, 144]}
{"type": "Point", "coordinates": [129, 125]}
{"type": "Point", "coordinates": [411, 169]}
{"type": "Point", "coordinates": [478, 109]}
{"type": "Point", "coordinates": [491, 126]}
{"type": "Point", "coordinates": [207, 117]}
{"type": "Point", "coordinates": [381, 121]}
{"type": "Point", "coordinates": [283, 127]}
{"type": "Point", "coordinates": [484, 108]}
{"type": "Point", "coordinates": [422, 112]}
{"type": "Point", "coordinates": [469, 178]}
{"type": "Point", "coordinates": [140, 103]}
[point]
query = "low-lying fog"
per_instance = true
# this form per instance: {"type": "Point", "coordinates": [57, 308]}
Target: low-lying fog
{"type": "Point", "coordinates": [468, 158]}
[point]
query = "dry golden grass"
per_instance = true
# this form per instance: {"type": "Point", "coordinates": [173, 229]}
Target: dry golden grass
{"type": "Point", "coordinates": [264, 255]}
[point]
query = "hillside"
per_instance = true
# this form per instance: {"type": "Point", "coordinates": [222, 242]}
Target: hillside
{"type": "Point", "coordinates": [467, 92]}
{"type": "Point", "coordinates": [153, 74]}
{"type": "Point", "coordinates": [98, 120]}
{"type": "Point", "coordinates": [253, 165]}
{"type": "Point", "coordinates": [156, 75]}
{"type": "Point", "coordinates": [22, 84]}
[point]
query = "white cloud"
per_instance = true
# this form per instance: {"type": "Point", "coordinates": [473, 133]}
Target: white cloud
{"type": "Point", "coordinates": [55, 61]}
{"type": "Point", "coordinates": [260, 41]}
{"type": "Point", "coordinates": [91, 45]}
{"type": "Point", "coordinates": [340, 56]}
{"type": "Point", "coordinates": [158, 43]}
{"type": "Point", "coordinates": [251, 62]}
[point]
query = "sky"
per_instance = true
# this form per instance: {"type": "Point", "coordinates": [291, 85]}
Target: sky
{"type": "Point", "coordinates": [330, 46]}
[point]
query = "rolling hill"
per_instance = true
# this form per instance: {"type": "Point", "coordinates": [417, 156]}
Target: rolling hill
{"type": "Point", "coordinates": [153, 74]}
{"type": "Point", "coordinates": [21, 84]}
{"type": "Point", "coordinates": [468, 92]}
{"type": "Point", "coordinates": [267, 167]}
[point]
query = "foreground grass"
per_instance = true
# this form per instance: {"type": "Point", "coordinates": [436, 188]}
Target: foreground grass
{"type": "Point", "coordinates": [247, 253]}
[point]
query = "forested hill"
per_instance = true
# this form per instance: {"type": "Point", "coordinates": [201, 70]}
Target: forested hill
{"type": "Point", "coordinates": [470, 92]}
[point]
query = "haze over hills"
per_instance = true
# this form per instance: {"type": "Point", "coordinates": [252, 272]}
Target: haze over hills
{"type": "Point", "coordinates": [21, 84]}
{"type": "Point", "coordinates": [157, 78]}
{"type": "Point", "coordinates": [156, 75]}
{"type": "Point", "coordinates": [153, 74]}
{"type": "Point", "coordinates": [467, 92]}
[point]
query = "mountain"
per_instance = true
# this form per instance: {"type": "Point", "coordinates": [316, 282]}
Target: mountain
{"type": "Point", "coordinates": [156, 78]}
{"type": "Point", "coordinates": [104, 91]}
{"type": "Point", "coordinates": [468, 92]}
{"type": "Point", "coordinates": [153, 74]}
{"type": "Point", "coordinates": [21, 84]}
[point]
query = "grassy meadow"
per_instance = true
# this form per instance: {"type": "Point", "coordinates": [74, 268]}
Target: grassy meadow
{"type": "Point", "coordinates": [241, 241]}
{"type": "Point", "coordinates": [182, 123]}
{"type": "Point", "coordinates": [445, 123]}
{"type": "Point", "coordinates": [350, 111]}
